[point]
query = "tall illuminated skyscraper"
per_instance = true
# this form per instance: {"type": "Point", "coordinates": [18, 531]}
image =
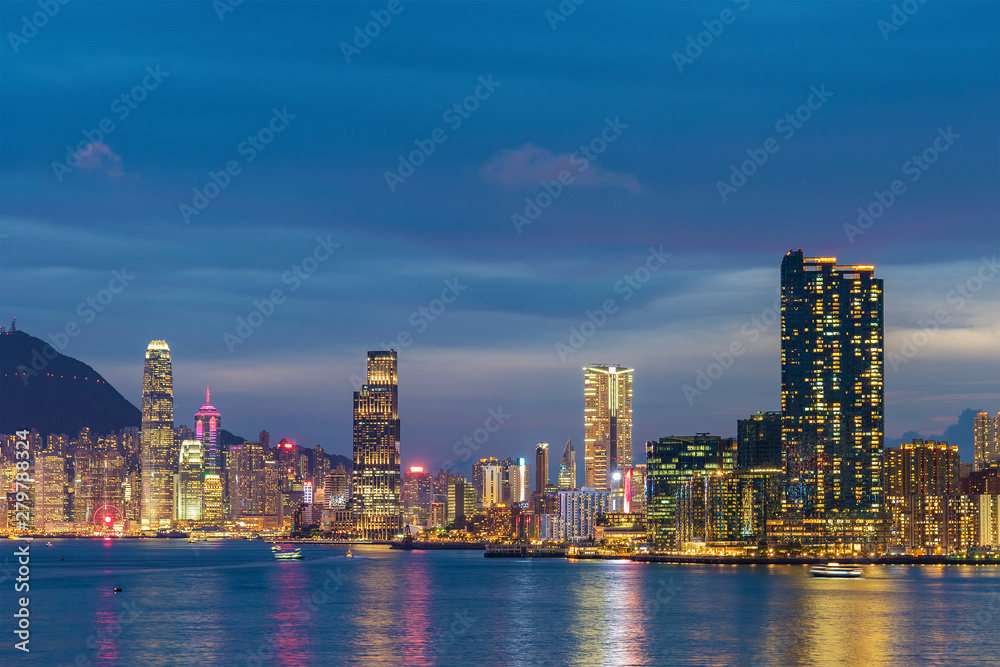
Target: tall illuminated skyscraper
{"type": "Point", "coordinates": [567, 468]}
{"type": "Point", "coordinates": [986, 441]}
{"type": "Point", "coordinates": [189, 483]}
{"type": "Point", "coordinates": [376, 480]}
{"type": "Point", "coordinates": [541, 466]}
{"type": "Point", "coordinates": [157, 438]}
{"type": "Point", "coordinates": [207, 427]}
{"type": "Point", "coordinates": [832, 361]}
{"type": "Point", "coordinates": [607, 419]}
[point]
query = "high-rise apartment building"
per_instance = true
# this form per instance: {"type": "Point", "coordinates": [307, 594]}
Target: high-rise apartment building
{"type": "Point", "coordinates": [986, 441]}
{"type": "Point", "coordinates": [567, 468]}
{"type": "Point", "coordinates": [207, 430]}
{"type": "Point", "coordinates": [376, 480]}
{"type": "Point", "coordinates": [157, 438]}
{"type": "Point", "coordinates": [189, 482]}
{"type": "Point", "coordinates": [922, 468]}
{"type": "Point", "coordinates": [541, 466]}
{"type": "Point", "coordinates": [831, 385]}
{"type": "Point", "coordinates": [479, 477]}
{"type": "Point", "coordinates": [607, 420]}
{"type": "Point", "coordinates": [492, 485]}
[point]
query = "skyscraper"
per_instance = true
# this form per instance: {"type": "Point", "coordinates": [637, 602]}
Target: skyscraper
{"type": "Point", "coordinates": [245, 479]}
{"type": "Point", "coordinates": [986, 441]}
{"type": "Point", "coordinates": [479, 477]}
{"type": "Point", "coordinates": [607, 419]}
{"type": "Point", "coordinates": [189, 483]}
{"type": "Point", "coordinates": [567, 468]}
{"type": "Point", "coordinates": [376, 478]}
{"type": "Point", "coordinates": [541, 466]}
{"type": "Point", "coordinates": [157, 438]}
{"type": "Point", "coordinates": [759, 440]}
{"type": "Point", "coordinates": [492, 485]}
{"type": "Point", "coordinates": [831, 385]}
{"type": "Point", "coordinates": [207, 427]}
{"type": "Point", "coordinates": [518, 474]}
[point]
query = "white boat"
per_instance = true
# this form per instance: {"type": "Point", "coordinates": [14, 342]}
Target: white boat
{"type": "Point", "coordinates": [836, 571]}
{"type": "Point", "coordinates": [281, 554]}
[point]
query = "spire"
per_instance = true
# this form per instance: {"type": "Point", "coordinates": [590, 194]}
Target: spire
{"type": "Point", "coordinates": [207, 396]}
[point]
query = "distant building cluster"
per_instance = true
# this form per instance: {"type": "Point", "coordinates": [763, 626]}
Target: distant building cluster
{"type": "Point", "coordinates": [814, 477]}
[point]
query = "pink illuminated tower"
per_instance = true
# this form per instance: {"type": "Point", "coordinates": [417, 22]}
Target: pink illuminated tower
{"type": "Point", "coordinates": [207, 424]}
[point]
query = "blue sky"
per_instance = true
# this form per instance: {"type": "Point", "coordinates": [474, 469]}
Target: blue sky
{"type": "Point", "coordinates": [888, 95]}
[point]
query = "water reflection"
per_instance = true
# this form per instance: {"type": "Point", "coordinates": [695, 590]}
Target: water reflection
{"type": "Point", "coordinates": [291, 617]}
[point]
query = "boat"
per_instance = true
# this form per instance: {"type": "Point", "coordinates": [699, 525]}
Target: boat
{"type": "Point", "coordinates": [48, 544]}
{"type": "Point", "coordinates": [836, 571]}
{"type": "Point", "coordinates": [349, 554]}
{"type": "Point", "coordinates": [192, 539]}
{"type": "Point", "coordinates": [282, 554]}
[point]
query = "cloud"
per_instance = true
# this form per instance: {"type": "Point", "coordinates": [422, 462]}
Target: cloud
{"type": "Point", "coordinates": [529, 166]}
{"type": "Point", "coordinates": [100, 157]}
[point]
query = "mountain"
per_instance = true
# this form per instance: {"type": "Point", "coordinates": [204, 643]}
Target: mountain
{"type": "Point", "coordinates": [43, 389]}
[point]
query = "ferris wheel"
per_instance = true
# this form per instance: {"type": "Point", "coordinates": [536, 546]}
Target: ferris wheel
{"type": "Point", "coordinates": [107, 517]}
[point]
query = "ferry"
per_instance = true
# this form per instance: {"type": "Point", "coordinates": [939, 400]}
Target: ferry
{"type": "Point", "coordinates": [836, 571]}
{"type": "Point", "coordinates": [282, 554]}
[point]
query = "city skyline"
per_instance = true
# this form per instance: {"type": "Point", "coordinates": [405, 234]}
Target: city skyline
{"type": "Point", "coordinates": [438, 260]}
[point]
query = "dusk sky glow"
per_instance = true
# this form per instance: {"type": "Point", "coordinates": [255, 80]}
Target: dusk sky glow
{"type": "Point", "coordinates": [432, 264]}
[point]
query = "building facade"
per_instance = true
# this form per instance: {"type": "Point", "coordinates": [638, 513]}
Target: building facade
{"type": "Point", "coordinates": [986, 441]}
{"type": "Point", "coordinates": [189, 483]}
{"type": "Point", "coordinates": [670, 463]}
{"type": "Point", "coordinates": [607, 423]}
{"type": "Point", "coordinates": [832, 394]}
{"type": "Point", "coordinates": [157, 438]}
{"type": "Point", "coordinates": [376, 480]}
{"type": "Point", "coordinates": [758, 439]}
{"type": "Point", "coordinates": [541, 466]}
{"type": "Point", "coordinates": [567, 468]}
